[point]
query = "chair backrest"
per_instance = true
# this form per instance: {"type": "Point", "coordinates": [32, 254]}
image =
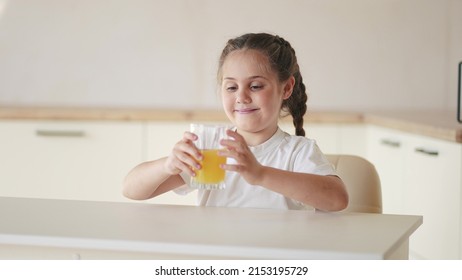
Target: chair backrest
{"type": "Point", "coordinates": [362, 182]}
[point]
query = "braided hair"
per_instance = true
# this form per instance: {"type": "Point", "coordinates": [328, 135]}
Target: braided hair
{"type": "Point", "coordinates": [283, 61]}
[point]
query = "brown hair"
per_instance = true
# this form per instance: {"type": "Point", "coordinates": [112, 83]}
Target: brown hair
{"type": "Point", "coordinates": [283, 61]}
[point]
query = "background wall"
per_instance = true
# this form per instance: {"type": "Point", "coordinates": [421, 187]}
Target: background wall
{"type": "Point", "coordinates": [354, 54]}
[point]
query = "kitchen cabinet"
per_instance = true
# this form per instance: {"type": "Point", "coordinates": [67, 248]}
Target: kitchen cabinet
{"type": "Point", "coordinates": [334, 138]}
{"type": "Point", "coordinates": [326, 135]}
{"type": "Point", "coordinates": [161, 137]}
{"type": "Point", "coordinates": [68, 159]}
{"type": "Point", "coordinates": [23, 252]}
{"type": "Point", "coordinates": [386, 152]}
{"type": "Point", "coordinates": [422, 176]}
{"type": "Point", "coordinates": [353, 140]}
{"type": "Point", "coordinates": [432, 183]}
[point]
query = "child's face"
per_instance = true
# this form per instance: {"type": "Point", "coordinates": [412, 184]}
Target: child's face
{"type": "Point", "coordinates": [251, 92]}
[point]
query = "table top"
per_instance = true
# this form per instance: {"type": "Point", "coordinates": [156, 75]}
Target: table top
{"type": "Point", "coordinates": [202, 231]}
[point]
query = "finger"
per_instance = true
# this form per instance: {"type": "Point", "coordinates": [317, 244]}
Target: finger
{"type": "Point", "coordinates": [228, 153]}
{"type": "Point", "coordinates": [229, 144]}
{"type": "Point", "coordinates": [187, 158]}
{"type": "Point", "coordinates": [187, 135]}
{"type": "Point", "coordinates": [236, 138]}
{"type": "Point", "coordinates": [236, 150]}
{"type": "Point", "coordinates": [237, 144]}
{"type": "Point", "coordinates": [234, 134]}
{"type": "Point", "coordinates": [187, 169]}
{"type": "Point", "coordinates": [231, 167]}
{"type": "Point", "coordinates": [190, 151]}
{"type": "Point", "coordinates": [187, 147]}
{"type": "Point", "coordinates": [184, 162]}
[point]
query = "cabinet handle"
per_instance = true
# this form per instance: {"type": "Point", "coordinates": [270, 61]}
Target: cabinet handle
{"type": "Point", "coordinates": [391, 143]}
{"type": "Point", "coordinates": [427, 152]}
{"type": "Point", "coordinates": [60, 133]}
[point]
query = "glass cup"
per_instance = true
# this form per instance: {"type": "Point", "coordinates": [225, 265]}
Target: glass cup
{"type": "Point", "coordinates": [210, 176]}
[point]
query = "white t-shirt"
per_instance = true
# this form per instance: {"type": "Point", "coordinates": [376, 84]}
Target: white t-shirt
{"type": "Point", "coordinates": [282, 151]}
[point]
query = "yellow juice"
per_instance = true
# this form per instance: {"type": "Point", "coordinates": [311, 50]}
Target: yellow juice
{"type": "Point", "coordinates": [210, 173]}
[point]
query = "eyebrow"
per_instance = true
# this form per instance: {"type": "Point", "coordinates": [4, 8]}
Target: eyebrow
{"type": "Point", "coordinates": [249, 78]}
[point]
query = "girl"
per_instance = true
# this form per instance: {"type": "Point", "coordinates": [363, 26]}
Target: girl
{"type": "Point", "coordinates": [267, 168]}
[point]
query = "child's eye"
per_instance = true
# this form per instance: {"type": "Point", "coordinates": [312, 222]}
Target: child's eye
{"type": "Point", "coordinates": [230, 88]}
{"type": "Point", "coordinates": [256, 87]}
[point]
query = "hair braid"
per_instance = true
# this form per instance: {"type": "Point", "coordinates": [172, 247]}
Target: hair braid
{"type": "Point", "coordinates": [296, 105]}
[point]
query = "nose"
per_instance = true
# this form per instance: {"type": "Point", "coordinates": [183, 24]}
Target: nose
{"type": "Point", "coordinates": [243, 97]}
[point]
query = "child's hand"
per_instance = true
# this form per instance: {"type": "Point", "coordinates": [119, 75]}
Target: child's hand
{"type": "Point", "coordinates": [184, 156]}
{"type": "Point", "coordinates": [246, 163]}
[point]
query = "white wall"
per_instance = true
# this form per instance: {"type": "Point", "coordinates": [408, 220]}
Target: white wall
{"type": "Point", "coordinates": [454, 50]}
{"type": "Point", "coordinates": [354, 54]}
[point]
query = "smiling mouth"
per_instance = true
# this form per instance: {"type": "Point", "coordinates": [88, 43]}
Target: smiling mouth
{"type": "Point", "coordinates": [245, 111]}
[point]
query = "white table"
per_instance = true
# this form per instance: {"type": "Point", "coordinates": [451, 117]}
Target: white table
{"type": "Point", "coordinates": [54, 229]}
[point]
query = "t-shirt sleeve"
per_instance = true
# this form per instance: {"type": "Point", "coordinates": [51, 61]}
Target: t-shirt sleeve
{"type": "Point", "coordinates": [310, 159]}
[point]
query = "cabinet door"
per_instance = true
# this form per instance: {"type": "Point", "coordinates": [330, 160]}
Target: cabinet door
{"type": "Point", "coordinates": [433, 189]}
{"type": "Point", "coordinates": [68, 160]}
{"type": "Point", "coordinates": [162, 136]}
{"type": "Point", "coordinates": [386, 150]}
{"type": "Point", "coordinates": [334, 138]}
{"type": "Point", "coordinates": [326, 135]}
{"type": "Point", "coordinates": [353, 139]}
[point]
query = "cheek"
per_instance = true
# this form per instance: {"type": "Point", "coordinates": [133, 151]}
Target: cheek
{"type": "Point", "coordinates": [274, 103]}
{"type": "Point", "coordinates": [227, 101]}
{"type": "Point", "coordinates": [270, 100]}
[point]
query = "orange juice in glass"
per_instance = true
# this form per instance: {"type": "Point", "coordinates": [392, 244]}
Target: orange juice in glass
{"type": "Point", "coordinates": [210, 176]}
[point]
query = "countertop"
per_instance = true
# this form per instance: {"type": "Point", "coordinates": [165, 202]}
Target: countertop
{"type": "Point", "coordinates": [203, 232]}
{"type": "Point", "coordinates": [437, 123]}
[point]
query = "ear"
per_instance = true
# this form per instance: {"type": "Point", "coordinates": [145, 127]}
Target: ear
{"type": "Point", "coordinates": [288, 88]}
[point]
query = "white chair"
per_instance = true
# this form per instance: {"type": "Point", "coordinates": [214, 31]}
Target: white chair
{"type": "Point", "coordinates": [362, 182]}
